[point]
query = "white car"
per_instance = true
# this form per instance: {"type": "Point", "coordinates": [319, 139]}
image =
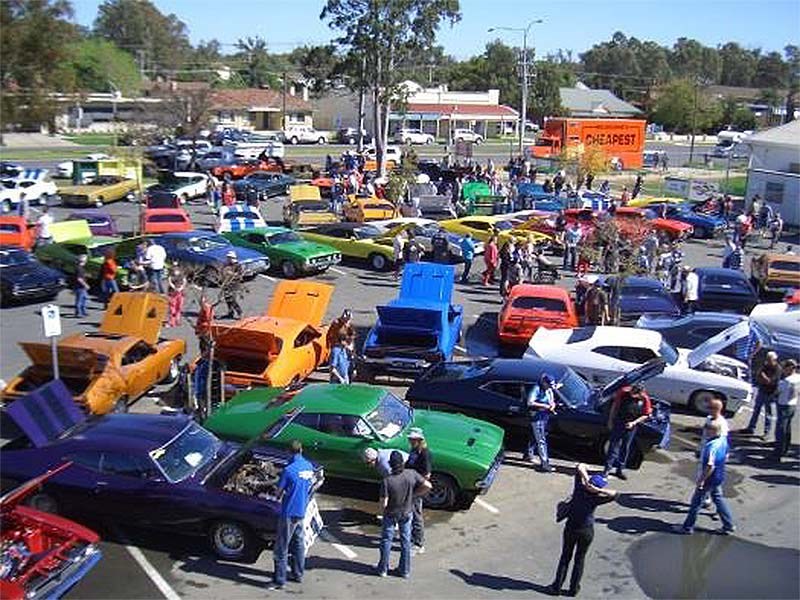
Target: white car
{"type": "Point", "coordinates": [251, 150]}
{"type": "Point", "coordinates": [601, 354]}
{"type": "Point", "coordinates": [187, 184]}
{"type": "Point", "coordinates": [238, 217]}
{"type": "Point", "coordinates": [413, 136]}
{"type": "Point", "coordinates": [393, 153]}
{"type": "Point", "coordinates": [304, 134]}
{"type": "Point", "coordinates": [467, 135]}
{"type": "Point", "coordinates": [37, 191]}
{"type": "Point", "coordinates": [66, 169]}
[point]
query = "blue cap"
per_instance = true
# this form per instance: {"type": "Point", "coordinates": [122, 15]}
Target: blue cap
{"type": "Point", "coordinates": [598, 481]}
{"type": "Point", "coordinates": [546, 377]}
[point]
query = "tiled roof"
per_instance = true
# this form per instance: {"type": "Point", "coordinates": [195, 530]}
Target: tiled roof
{"type": "Point", "coordinates": [248, 98]}
{"type": "Point", "coordinates": [479, 110]}
{"type": "Point", "coordinates": [595, 103]}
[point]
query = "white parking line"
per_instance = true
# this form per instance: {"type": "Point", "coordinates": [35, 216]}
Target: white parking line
{"type": "Point", "coordinates": [683, 440]}
{"type": "Point", "coordinates": [461, 349]}
{"type": "Point", "coordinates": [328, 537]}
{"type": "Point", "coordinates": [155, 576]}
{"type": "Point", "coordinates": [272, 279]}
{"type": "Point", "coordinates": [484, 504]}
{"type": "Point", "coordinates": [335, 270]}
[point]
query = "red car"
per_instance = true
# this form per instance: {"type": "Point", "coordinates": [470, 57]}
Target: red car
{"type": "Point", "coordinates": [633, 223]}
{"type": "Point", "coordinates": [14, 231]}
{"type": "Point", "coordinates": [529, 307]}
{"type": "Point", "coordinates": [42, 555]}
{"type": "Point", "coordinates": [243, 168]}
{"type": "Point", "coordinates": [165, 220]}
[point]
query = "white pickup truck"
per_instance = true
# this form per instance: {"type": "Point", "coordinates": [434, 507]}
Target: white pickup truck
{"type": "Point", "coordinates": [304, 134]}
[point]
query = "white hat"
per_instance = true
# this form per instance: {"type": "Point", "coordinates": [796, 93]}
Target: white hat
{"type": "Point", "coordinates": [370, 454]}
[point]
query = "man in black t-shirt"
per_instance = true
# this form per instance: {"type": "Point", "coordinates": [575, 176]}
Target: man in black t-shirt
{"type": "Point", "coordinates": [419, 459]}
{"type": "Point", "coordinates": [588, 493]}
{"type": "Point", "coordinates": [81, 287]}
{"type": "Point", "coordinates": [398, 493]}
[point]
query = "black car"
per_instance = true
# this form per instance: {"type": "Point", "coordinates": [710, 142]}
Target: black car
{"type": "Point", "coordinates": [725, 290]}
{"type": "Point", "coordinates": [497, 391]}
{"type": "Point", "coordinates": [265, 184]}
{"type": "Point", "coordinates": [349, 135]}
{"type": "Point", "coordinates": [24, 278]}
{"type": "Point", "coordinates": [638, 296]}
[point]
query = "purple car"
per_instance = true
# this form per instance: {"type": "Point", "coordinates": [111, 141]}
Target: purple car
{"type": "Point", "coordinates": [100, 222]}
{"type": "Point", "coordinates": [154, 471]}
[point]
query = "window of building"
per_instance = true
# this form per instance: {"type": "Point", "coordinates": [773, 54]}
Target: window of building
{"type": "Point", "coordinates": [773, 192]}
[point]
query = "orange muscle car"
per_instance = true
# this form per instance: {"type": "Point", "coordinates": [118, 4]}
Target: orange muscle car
{"type": "Point", "coordinates": [108, 369]}
{"type": "Point", "coordinates": [282, 346]}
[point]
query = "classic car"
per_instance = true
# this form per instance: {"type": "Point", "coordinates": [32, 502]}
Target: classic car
{"type": "Point", "coordinates": [649, 201]}
{"type": "Point", "coordinates": [37, 190]}
{"type": "Point", "coordinates": [23, 278]}
{"type": "Point", "coordinates": [725, 290]}
{"type": "Point", "coordinates": [165, 220]}
{"type": "Point", "coordinates": [528, 307]}
{"type": "Point", "coordinates": [304, 134]}
{"type": "Point", "coordinates": [325, 185]}
{"type": "Point", "coordinates": [158, 471]}
{"type": "Point", "coordinates": [359, 209]}
{"type": "Point", "coordinates": [704, 226]}
{"type": "Point", "coordinates": [497, 391]}
{"type": "Point", "coordinates": [335, 423]}
{"type": "Point", "coordinates": [637, 296]}
{"type": "Point", "coordinates": [99, 191]}
{"type": "Point", "coordinates": [773, 273]}
{"type": "Point", "coordinates": [430, 202]}
{"type": "Point", "coordinates": [238, 217]}
{"type": "Point", "coordinates": [184, 185]}
{"type": "Point", "coordinates": [600, 354]}
{"type": "Point", "coordinates": [355, 241]}
{"type": "Point", "coordinates": [265, 184]}
{"type": "Point", "coordinates": [281, 347]}
{"type": "Point", "coordinates": [410, 136]}
{"type": "Point", "coordinates": [287, 251]}
{"type": "Point", "coordinates": [16, 231]}
{"type": "Point", "coordinates": [42, 555]}
{"type": "Point", "coordinates": [241, 168]}
{"type": "Point", "coordinates": [424, 230]}
{"type": "Point", "coordinates": [157, 197]}
{"type": "Point", "coordinates": [73, 238]}
{"type": "Point", "coordinates": [216, 157]}
{"type": "Point", "coordinates": [419, 328]}
{"type": "Point", "coordinates": [634, 223]}
{"type": "Point", "coordinates": [111, 368]}
{"type": "Point", "coordinates": [100, 221]}
{"type": "Point", "coordinates": [204, 253]}
{"type": "Point", "coordinates": [305, 206]}
{"type": "Point", "coordinates": [349, 135]}
{"type": "Point", "coordinates": [481, 227]}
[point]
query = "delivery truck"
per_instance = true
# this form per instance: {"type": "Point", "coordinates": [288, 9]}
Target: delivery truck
{"type": "Point", "coordinates": [622, 140]}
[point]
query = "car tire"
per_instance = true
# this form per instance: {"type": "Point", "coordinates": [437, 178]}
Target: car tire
{"type": "Point", "coordinates": [43, 502]}
{"type": "Point", "coordinates": [445, 492]}
{"type": "Point", "coordinates": [378, 262]}
{"type": "Point", "coordinates": [174, 371]}
{"type": "Point", "coordinates": [288, 269]}
{"type": "Point", "coordinates": [7, 206]}
{"type": "Point", "coordinates": [699, 401]}
{"type": "Point", "coordinates": [700, 233]}
{"type": "Point", "coordinates": [294, 141]}
{"type": "Point", "coordinates": [429, 141]}
{"type": "Point", "coordinates": [185, 199]}
{"type": "Point", "coordinates": [478, 141]}
{"type": "Point", "coordinates": [231, 540]}
{"type": "Point", "coordinates": [321, 141]}
{"type": "Point", "coordinates": [99, 202]}
{"type": "Point", "coordinates": [350, 141]}
{"type": "Point", "coordinates": [120, 406]}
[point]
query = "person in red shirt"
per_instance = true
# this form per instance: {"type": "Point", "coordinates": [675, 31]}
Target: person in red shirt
{"type": "Point", "coordinates": [108, 277]}
{"type": "Point", "coordinates": [205, 319]}
{"type": "Point", "coordinates": [631, 406]}
{"type": "Point", "coordinates": [490, 257]}
{"type": "Point", "coordinates": [228, 195]}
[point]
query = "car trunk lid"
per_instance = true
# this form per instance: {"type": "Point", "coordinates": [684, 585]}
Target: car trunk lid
{"type": "Point", "coordinates": [135, 313]}
{"type": "Point", "coordinates": [301, 301]}
{"type": "Point", "coordinates": [407, 318]}
{"type": "Point", "coordinates": [427, 282]}
{"type": "Point", "coordinates": [70, 359]}
{"type": "Point", "coordinates": [640, 374]}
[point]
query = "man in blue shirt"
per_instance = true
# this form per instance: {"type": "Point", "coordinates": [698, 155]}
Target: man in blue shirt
{"type": "Point", "coordinates": [294, 490]}
{"type": "Point", "coordinates": [710, 478]}
{"type": "Point", "coordinates": [541, 404]}
{"type": "Point", "coordinates": [467, 253]}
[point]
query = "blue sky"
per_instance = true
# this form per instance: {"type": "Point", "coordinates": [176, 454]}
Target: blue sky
{"type": "Point", "coordinates": [569, 24]}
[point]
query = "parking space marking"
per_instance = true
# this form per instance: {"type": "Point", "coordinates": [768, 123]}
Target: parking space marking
{"type": "Point", "coordinates": [335, 270]}
{"type": "Point", "coordinates": [267, 277]}
{"type": "Point", "coordinates": [152, 573]}
{"type": "Point", "coordinates": [484, 504]}
{"type": "Point", "coordinates": [683, 440]}
{"type": "Point", "coordinates": [329, 537]}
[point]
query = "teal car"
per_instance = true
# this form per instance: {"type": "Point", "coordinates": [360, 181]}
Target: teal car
{"type": "Point", "coordinates": [336, 423]}
{"type": "Point", "coordinates": [286, 250]}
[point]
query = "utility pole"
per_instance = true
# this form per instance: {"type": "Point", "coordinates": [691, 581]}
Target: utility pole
{"type": "Point", "coordinates": [694, 121]}
{"type": "Point", "coordinates": [362, 96]}
{"type": "Point", "coordinates": [283, 103]}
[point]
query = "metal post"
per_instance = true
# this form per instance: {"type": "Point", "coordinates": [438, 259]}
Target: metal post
{"type": "Point", "coordinates": [522, 116]}
{"type": "Point", "coordinates": [54, 350]}
{"type": "Point", "coordinates": [362, 93]}
{"type": "Point", "coordinates": [283, 104]}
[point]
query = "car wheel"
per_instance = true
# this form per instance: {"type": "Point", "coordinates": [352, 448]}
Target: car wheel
{"type": "Point", "coordinates": [378, 262]}
{"type": "Point", "coordinates": [185, 199]}
{"type": "Point", "coordinates": [699, 401]}
{"type": "Point", "coordinates": [444, 493]}
{"type": "Point", "coordinates": [99, 202]}
{"type": "Point", "coordinates": [43, 502]}
{"type": "Point", "coordinates": [294, 141]}
{"type": "Point", "coordinates": [351, 141]}
{"type": "Point", "coordinates": [231, 540]}
{"type": "Point", "coordinates": [7, 206]}
{"type": "Point", "coordinates": [174, 370]}
{"type": "Point", "coordinates": [700, 233]}
{"type": "Point", "coordinates": [478, 141]}
{"type": "Point", "coordinates": [288, 269]}
{"type": "Point", "coordinates": [121, 405]}
{"type": "Point", "coordinates": [429, 141]}
{"type": "Point", "coordinates": [321, 140]}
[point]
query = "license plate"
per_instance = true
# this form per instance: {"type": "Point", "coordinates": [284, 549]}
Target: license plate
{"type": "Point", "coordinates": [312, 524]}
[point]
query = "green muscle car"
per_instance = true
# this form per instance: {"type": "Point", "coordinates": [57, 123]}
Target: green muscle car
{"type": "Point", "coordinates": [336, 423]}
{"type": "Point", "coordinates": [64, 255]}
{"type": "Point", "coordinates": [286, 250]}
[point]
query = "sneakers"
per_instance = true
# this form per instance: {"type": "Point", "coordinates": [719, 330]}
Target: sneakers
{"type": "Point", "coordinates": [552, 590]}
{"type": "Point", "coordinates": [418, 550]}
{"type": "Point", "coordinates": [681, 530]}
{"type": "Point", "coordinates": [380, 573]}
{"type": "Point", "coordinates": [706, 502]}
{"type": "Point", "coordinates": [621, 475]}
{"type": "Point", "coordinates": [726, 530]}
{"type": "Point", "coordinates": [275, 587]}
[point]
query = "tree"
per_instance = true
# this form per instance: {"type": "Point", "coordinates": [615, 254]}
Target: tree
{"type": "Point", "coordinates": [737, 65]}
{"type": "Point", "coordinates": [319, 66]}
{"type": "Point", "coordinates": [101, 67]}
{"type": "Point", "coordinates": [690, 59]}
{"type": "Point", "coordinates": [676, 110]}
{"type": "Point", "coordinates": [137, 26]}
{"type": "Point", "coordinates": [35, 41]}
{"type": "Point", "coordinates": [544, 97]}
{"type": "Point", "coordinates": [771, 72]}
{"type": "Point", "coordinates": [257, 71]}
{"type": "Point", "coordinates": [386, 33]}
{"type": "Point", "coordinates": [792, 53]}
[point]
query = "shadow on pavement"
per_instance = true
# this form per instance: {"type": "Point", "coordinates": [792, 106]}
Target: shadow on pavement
{"type": "Point", "coordinates": [777, 479]}
{"type": "Point", "coordinates": [497, 582]}
{"type": "Point", "coordinates": [632, 525]}
{"type": "Point", "coordinates": [648, 503]}
{"type": "Point", "coordinates": [314, 563]}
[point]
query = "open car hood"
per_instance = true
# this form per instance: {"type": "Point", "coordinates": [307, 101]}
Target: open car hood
{"type": "Point", "coordinates": [719, 342]}
{"type": "Point", "coordinates": [70, 230]}
{"type": "Point", "coordinates": [70, 358]}
{"type": "Point", "coordinates": [427, 282]}
{"type": "Point", "coordinates": [303, 301]}
{"type": "Point", "coordinates": [640, 374]}
{"type": "Point", "coordinates": [46, 413]}
{"type": "Point", "coordinates": [135, 314]}
{"type": "Point", "coordinates": [18, 494]}
{"type": "Point", "coordinates": [410, 318]}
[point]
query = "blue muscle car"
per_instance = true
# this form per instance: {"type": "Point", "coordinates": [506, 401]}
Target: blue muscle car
{"type": "Point", "coordinates": [153, 471]}
{"type": "Point", "coordinates": [705, 226]}
{"type": "Point", "coordinates": [639, 296]}
{"type": "Point", "coordinates": [417, 329]}
{"type": "Point", "coordinates": [23, 278]}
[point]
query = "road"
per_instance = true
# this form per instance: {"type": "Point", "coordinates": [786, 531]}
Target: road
{"type": "Point", "coordinates": [507, 544]}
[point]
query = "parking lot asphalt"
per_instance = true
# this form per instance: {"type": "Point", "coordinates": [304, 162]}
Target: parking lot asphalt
{"type": "Point", "coordinates": [507, 544]}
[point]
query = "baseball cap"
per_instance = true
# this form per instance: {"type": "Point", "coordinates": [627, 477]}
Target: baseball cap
{"type": "Point", "coordinates": [230, 254]}
{"type": "Point", "coordinates": [546, 378]}
{"type": "Point", "coordinates": [598, 481]}
{"type": "Point", "coordinates": [416, 434]}
{"type": "Point", "coordinates": [370, 454]}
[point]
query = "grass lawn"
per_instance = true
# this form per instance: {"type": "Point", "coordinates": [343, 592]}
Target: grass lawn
{"type": "Point", "coordinates": [39, 154]}
{"type": "Point", "coordinates": [737, 185]}
{"type": "Point", "coordinates": [91, 139]}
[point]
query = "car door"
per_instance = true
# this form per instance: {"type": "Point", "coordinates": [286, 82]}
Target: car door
{"type": "Point", "coordinates": [341, 441]}
{"type": "Point", "coordinates": [121, 487]}
{"type": "Point", "coordinates": [140, 368]}
{"type": "Point", "coordinates": [504, 403]}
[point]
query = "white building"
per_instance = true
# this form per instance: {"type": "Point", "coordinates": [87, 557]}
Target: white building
{"type": "Point", "coordinates": [774, 170]}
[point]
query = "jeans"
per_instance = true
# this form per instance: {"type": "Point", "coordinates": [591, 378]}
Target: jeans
{"type": "Point", "coordinates": [467, 267]}
{"type": "Point", "coordinates": [715, 491]}
{"type": "Point", "coordinates": [570, 256]}
{"type": "Point", "coordinates": [289, 543]}
{"type": "Point", "coordinates": [619, 446]}
{"type": "Point", "coordinates": [81, 297]}
{"type": "Point", "coordinates": [783, 429]}
{"type": "Point", "coordinates": [575, 541]}
{"type": "Point", "coordinates": [417, 523]}
{"type": "Point", "coordinates": [154, 276]}
{"type": "Point", "coordinates": [390, 523]}
{"type": "Point", "coordinates": [766, 401]}
{"type": "Point", "coordinates": [538, 442]}
{"type": "Point", "coordinates": [109, 287]}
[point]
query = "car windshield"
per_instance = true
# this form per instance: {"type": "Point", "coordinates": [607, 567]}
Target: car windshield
{"type": "Point", "coordinates": [462, 370]}
{"type": "Point", "coordinates": [378, 206]}
{"type": "Point", "coordinates": [390, 417]}
{"type": "Point", "coordinates": [726, 282]}
{"type": "Point", "coordinates": [503, 225]}
{"type": "Point", "coordinates": [668, 352]}
{"type": "Point", "coordinates": [185, 454]}
{"type": "Point", "coordinates": [366, 232]}
{"type": "Point", "coordinates": [284, 238]}
{"type": "Point", "coordinates": [535, 303]}
{"type": "Point", "coordinates": [10, 258]}
{"type": "Point", "coordinates": [102, 250]}
{"type": "Point", "coordinates": [783, 265]}
{"type": "Point", "coordinates": [641, 290]}
{"type": "Point", "coordinates": [574, 390]}
{"type": "Point", "coordinates": [250, 216]}
{"type": "Point", "coordinates": [211, 242]}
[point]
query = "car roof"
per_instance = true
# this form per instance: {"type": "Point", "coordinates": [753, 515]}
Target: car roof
{"type": "Point", "coordinates": [605, 335]}
{"type": "Point", "coordinates": [722, 272]}
{"type": "Point", "coordinates": [524, 369]}
{"type": "Point", "coordinates": [635, 280]}
{"type": "Point", "coordinates": [131, 432]}
{"type": "Point", "coordinates": [354, 399]}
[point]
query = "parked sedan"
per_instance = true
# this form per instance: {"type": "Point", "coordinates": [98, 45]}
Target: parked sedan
{"type": "Point", "coordinates": [497, 391]}
{"type": "Point", "coordinates": [705, 225]}
{"type": "Point", "coordinates": [358, 241]}
{"type": "Point", "coordinates": [529, 307]}
{"type": "Point", "coordinates": [158, 471]}
{"type": "Point", "coordinates": [725, 290]}
{"type": "Point", "coordinates": [24, 278]}
{"type": "Point", "coordinates": [638, 296]}
{"type": "Point", "coordinates": [265, 184]}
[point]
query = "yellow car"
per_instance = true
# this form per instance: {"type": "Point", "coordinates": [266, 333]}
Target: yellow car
{"type": "Point", "coordinates": [360, 209]}
{"type": "Point", "coordinates": [481, 227]}
{"type": "Point", "coordinates": [356, 241]}
{"type": "Point", "coordinates": [645, 201]}
{"type": "Point", "coordinates": [305, 206]}
{"type": "Point", "coordinates": [99, 191]}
